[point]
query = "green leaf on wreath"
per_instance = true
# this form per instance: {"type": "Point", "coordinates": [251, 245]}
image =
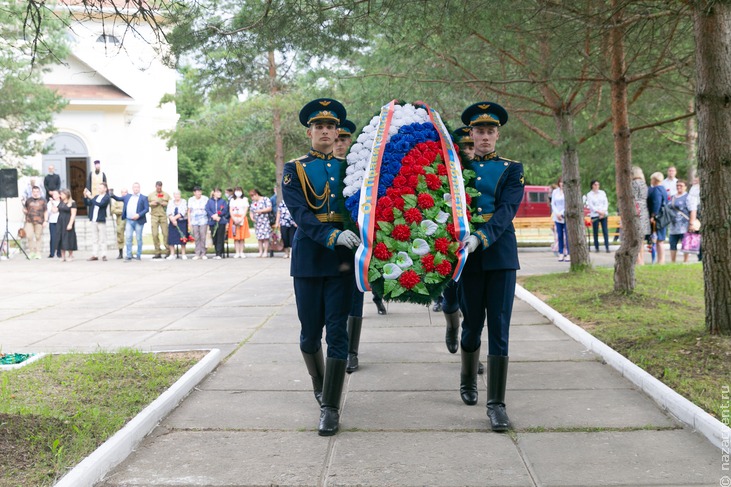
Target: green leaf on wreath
{"type": "Point", "coordinates": [421, 289]}
{"type": "Point", "coordinates": [472, 191]}
{"type": "Point", "coordinates": [389, 285]}
{"type": "Point", "coordinates": [438, 258]}
{"type": "Point", "coordinates": [397, 213]}
{"type": "Point", "coordinates": [398, 291]}
{"type": "Point", "coordinates": [402, 246]}
{"type": "Point", "coordinates": [433, 278]}
{"type": "Point", "coordinates": [453, 247]}
{"type": "Point", "coordinates": [390, 242]}
{"type": "Point", "coordinates": [477, 219]}
{"type": "Point", "coordinates": [468, 173]}
{"type": "Point", "coordinates": [438, 159]}
{"type": "Point", "coordinates": [399, 221]}
{"type": "Point", "coordinates": [410, 200]}
{"type": "Point", "coordinates": [373, 274]}
{"type": "Point", "coordinates": [421, 187]}
{"type": "Point", "coordinates": [430, 170]}
{"type": "Point", "coordinates": [431, 213]}
{"type": "Point", "coordinates": [386, 227]}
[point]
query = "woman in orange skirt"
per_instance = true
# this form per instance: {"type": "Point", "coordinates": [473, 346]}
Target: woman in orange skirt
{"type": "Point", "coordinates": [238, 228]}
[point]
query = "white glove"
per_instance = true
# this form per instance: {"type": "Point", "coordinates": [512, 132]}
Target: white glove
{"type": "Point", "coordinates": [348, 239]}
{"type": "Point", "coordinates": [471, 244]}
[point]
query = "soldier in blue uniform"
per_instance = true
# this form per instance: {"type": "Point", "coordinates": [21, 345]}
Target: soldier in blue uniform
{"type": "Point", "coordinates": [449, 304]}
{"type": "Point", "coordinates": [355, 318]}
{"type": "Point", "coordinates": [487, 284]}
{"type": "Point", "coordinates": [322, 256]}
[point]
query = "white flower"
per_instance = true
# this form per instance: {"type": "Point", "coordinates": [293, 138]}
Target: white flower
{"type": "Point", "coordinates": [429, 226]}
{"type": "Point", "coordinates": [442, 217]}
{"type": "Point", "coordinates": [391, 271]}
{"type": "Point", "coordinates": [403, 260]}
{"type": "Point", "coordinates": [448, 199]}
{"type": "Point", "coordinates": [419, 246]}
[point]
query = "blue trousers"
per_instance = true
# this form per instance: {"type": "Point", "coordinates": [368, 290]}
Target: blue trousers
{"type": "Point", "coordinates": [450, 301]}
{"type": "Point", "coordinates": [324, 303]}
{"type": "Point", "coordinates": [487, 294]}
{"type": "Point", "coordinates": [133, 228]}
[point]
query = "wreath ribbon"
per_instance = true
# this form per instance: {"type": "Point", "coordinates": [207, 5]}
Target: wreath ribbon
{"type": "Point", "coordinates": [368, 198]}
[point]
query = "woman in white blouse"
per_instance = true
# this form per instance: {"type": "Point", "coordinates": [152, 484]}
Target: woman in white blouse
{"type": "Point", "coordinates": [558, 206]}
{"type": "Point", "coordinates": [596, 201]}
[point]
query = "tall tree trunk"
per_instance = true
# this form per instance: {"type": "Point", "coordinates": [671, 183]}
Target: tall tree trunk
{"type": "Point", "coordinates": [712, 23]}
{"type": "Point", "coordinates": [624, 260]}
{"type": "Point", "coordinates": [691, 141]}
{"type": "Point", "coordinates": [574, 214]}
{"type": "Point", "coordinates": [277, 125]}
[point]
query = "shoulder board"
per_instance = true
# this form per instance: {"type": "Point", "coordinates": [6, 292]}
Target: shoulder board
{"type": "Point", "coordinates": [506, 159]}
{"type": "Point", "coordinates": [298, 159]}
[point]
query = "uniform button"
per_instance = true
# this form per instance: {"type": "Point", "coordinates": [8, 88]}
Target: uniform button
{"type": "Point", "coordinates": [304, 165]}
{"type": "Point", "coordinates": [482, 165]}
{"type": "Point", "coordinates": [328, 164]}
{"type": "Point", "coordinates": [479, 209]}
{"type": "Point", "coordinates": [332, 195]}
{"type": "Point", "coordinates": [505, 164]}
{"type": "Point", "coordinates": [479, 178]}
{"type": "Point", "coordinates": [332, 179]}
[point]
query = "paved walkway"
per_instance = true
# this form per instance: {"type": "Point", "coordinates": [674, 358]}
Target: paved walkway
{"type": "Point", "coordinates": [253, 421]}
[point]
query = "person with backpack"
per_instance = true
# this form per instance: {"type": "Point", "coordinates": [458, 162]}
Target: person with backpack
{"type": "Point", "coordinates": [656, 200]}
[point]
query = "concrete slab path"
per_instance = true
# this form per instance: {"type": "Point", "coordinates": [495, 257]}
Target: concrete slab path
{"type": "Point", "coordinates": [253, 421]}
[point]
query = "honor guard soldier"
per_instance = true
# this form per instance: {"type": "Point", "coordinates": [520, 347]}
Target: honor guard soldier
{"type": "Point", "coordinates": [322, 256]}
{"type": "Point", "coordinates": [449, 304]}
{"type": "Point", "coordinates": [487, 285]}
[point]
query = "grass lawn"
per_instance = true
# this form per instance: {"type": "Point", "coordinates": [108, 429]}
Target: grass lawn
{"type": "Point", "coordinates": [57, 410]}
{"type": "Point", "coordinates": [660, 327]}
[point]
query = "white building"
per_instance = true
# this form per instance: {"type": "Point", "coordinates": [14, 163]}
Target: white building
{"type": "Point", "coordinates": [114, 81]}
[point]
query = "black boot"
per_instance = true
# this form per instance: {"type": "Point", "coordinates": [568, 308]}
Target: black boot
{"type": "Point", "coordinates": [120, 256]}
{"type": "Point", "coordinates": [497, 367]}
{"type": "Point", "coordinates": [331, 392]}
{"type": "Point", "coordinates": [316, 368]}
{"type": "Point", "coordinates": [354, 325]}
{"type": "Point", "coordinates": [451, 338]}
{"type": "Point", "coordinates": [468, 377]}
{"type": "Point", "coordinates": [379, 304]}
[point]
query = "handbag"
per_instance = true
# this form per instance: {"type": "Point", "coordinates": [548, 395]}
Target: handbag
{"type": "Point", "coordinates": [691, 243]}
{"type": "Point", "coordinates": [663, 218]}
{"type": "Point", "coordinates": [276, 244]}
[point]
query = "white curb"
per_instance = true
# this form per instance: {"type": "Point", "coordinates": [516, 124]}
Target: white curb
{"type": "Point", "coordinates": [113, 451]}
{"type": "Point", "coordinates": [669, 400]}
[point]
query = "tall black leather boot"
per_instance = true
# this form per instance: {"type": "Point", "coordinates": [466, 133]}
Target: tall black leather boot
{"type": "Point", "coordinates": [378, 301]}
{"type": "Point", "coordinates": [354, 325]}
{"type": "Point", "coordinates": [497, 369]}
{"type": "Point", "coordinates": [452, 338]}
{"type": "Point", "coordinates": [331, 392]}
{"type": "Point", "coordinates": [316, 368]}
{"type": "Point", "coordinates": [468, 377]}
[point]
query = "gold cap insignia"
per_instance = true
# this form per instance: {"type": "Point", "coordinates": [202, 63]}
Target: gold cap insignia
{"type": "Point", "coordinates": [324, 103]}
{"type": "Point", "coordinates": [483, 107]}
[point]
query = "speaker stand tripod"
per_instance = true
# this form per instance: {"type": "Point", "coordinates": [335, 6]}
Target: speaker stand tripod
{"type": "Point", "coordinates": [8, 236]}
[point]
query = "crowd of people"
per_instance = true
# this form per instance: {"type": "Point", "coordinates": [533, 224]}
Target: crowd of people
{"type": "Point", "coordinates": [667, 210]}
{"type": "Point", "coordinates": [174, 221]}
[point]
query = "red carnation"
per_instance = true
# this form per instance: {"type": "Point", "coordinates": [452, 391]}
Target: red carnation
{"type": "Point", "coordinates": [413, 180]}
{"type": "Point", "coordinates": [433, 145]}
{"type": "Point", "coordinates": [433, 182]}
{"type": "Point", "coordinates": [409, 279]}
{"type": "Point", "coordinates": [453, 231]}
{"type": "Point", "coordinates": [413, 215]}
{"type": "Point", "coordinates": [441, 245]}
{"type": "Point", "coordinates": [425, 201]}
{"type": "Point", "coordinates": [393, 193]}
{"type": "Point", "coordinates": [408, 160]}
{"type": "Point", "coordinates": [428, 262]}
{"type": "Point", "coordinates": [445, 268]}
{"type": "Point", "coordinates": [406, 170]}
{"type": "Point", "coordinates": [398, 202]}
{"type": "Point", "coordinates": [424, 161]}
{"type": "Point", "coordinates": [401, 232]}
{"type": "Point", "coordinates": [468, 198]}
{"type": "Point", "coordinates": [408, 190]}
{"type": "Point", "coordinates": [385, 214]}
{"type": "Point", "coordinates": [441, 169]}
{"type": "Point", "coordinates": [400, 182]}
{"type": "Point", "coordinates": [381, 251]}
{"type": "Point", "coordinates": [385, 202]}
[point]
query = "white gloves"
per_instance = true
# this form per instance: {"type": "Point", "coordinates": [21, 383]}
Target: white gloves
{"type": "Point", "coordinates": [471, 244]}
{"type": "Point", "coordinates": [348, 239]}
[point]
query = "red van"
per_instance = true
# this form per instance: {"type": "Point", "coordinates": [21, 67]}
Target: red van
{"type": "Point", "coordinates": [535, 202]}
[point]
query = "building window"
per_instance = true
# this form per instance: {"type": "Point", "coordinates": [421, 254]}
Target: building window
{"type": "Point", "coordinates": [107, 39]}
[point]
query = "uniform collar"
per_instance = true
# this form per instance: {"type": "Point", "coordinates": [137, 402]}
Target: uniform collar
{"type": "Point", "coordinates": [319, 155]}
{"type": "Point", "coordinates": [486, 157]}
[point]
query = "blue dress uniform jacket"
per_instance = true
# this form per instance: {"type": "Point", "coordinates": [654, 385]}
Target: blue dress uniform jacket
{"type": "Point", "coordinates": [319, 216]}
{"type": "Point", "coordinates": [500, 183]}
{"type": "Point", "coordinates": [487, 286]}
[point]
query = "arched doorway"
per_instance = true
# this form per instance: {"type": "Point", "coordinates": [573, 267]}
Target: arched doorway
{"type": "Point", "coordinates": [70, 157]}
